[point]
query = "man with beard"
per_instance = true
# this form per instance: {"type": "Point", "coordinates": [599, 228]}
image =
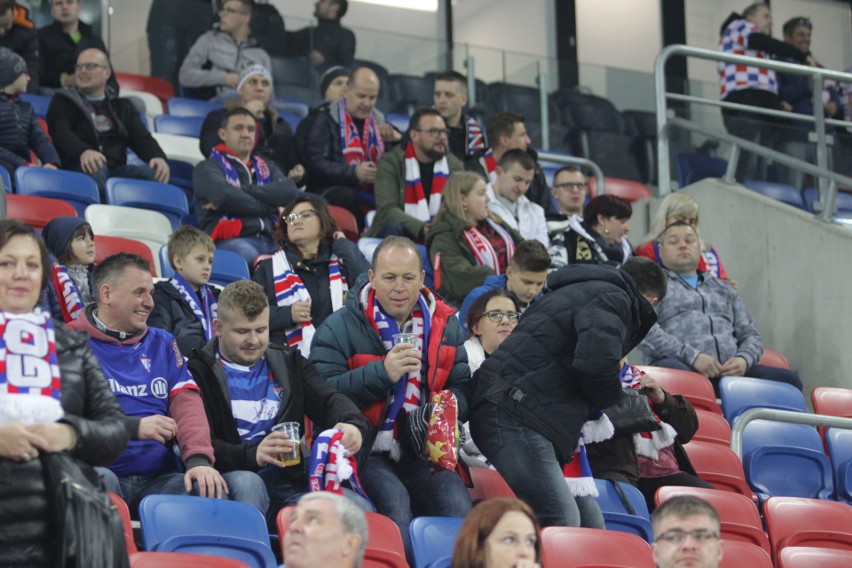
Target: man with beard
{"type": "Point", "coordinates": [410, 178]}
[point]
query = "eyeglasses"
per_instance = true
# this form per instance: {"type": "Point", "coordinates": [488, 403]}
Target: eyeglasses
{"type": "Point", "coordinates": [571, 185]}
{"type": "Point", "coordinates": [88, 66]}
{"type": "Point", "coordinates": [497, 317]}
{"type": "Point", "coordinates": [677, 536]}
{"type": "Point", "coordinates": [231, 11]}
{"type": "Point", "coordinates": [304, 216]}
{"type": "Point", "coordinates": [434, 131]}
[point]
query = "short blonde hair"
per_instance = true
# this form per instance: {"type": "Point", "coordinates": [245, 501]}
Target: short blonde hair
{"type": "Point", "coordinates": [675, 204]}
{"type": "Point", "coordinates": [184, 239]}
{"type": "Point", "coordinates": [459, 185]}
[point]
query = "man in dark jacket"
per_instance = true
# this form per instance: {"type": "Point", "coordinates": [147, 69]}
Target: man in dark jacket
{"type": "Point", "coordinates": [17, 32]}
{"type": "Point", "coordinates": [92, 129]}
{"type": "Point", "coordinates": [355, 350]}
{"type": "Point", "coordinates": [329, 43]}
{"type": "Point", "coordinates": [532, 396]}
{"type": "Point", "coordinates": [250, 386]}
{"type": "Point", "coordinates": [237, 193]}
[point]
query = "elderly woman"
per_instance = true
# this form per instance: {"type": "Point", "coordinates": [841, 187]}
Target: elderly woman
{"type": "Point", "coordinates": [55, 398]}
{"type": "Point", "coordinates": [308, 278]}
{"type": "Point", "coordinates": [498, 533]}
{"type": "Point", "coordinates": [467, 243]}
{"type": "Point", "coordinates": [680, 207]}
{"type": "Point", "coordinates": [598, 239]}
{"type": "Point", "coordinates": [275, 140]}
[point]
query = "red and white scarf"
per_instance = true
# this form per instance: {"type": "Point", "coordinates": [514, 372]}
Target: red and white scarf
{"type": "Point", "coordinates": [30, 384]}
{"type": "Point", "coordinates": [331, 465]}
{"type": "Point", "coordinates": [406, 392]}
{"type": "Point", "coordinates": [70, 300]}
{"type": "Point", "coordinates": [475, 136]}
{"type": "Point", "coordinates": [647, 444]}
{"type": "Point", "coordinates": [578, 473]}
{"type": "Point", "coordinates": [482, 248]}
{"type": "Point", "coordinates": [489, 164]}
{"type": "Point", "coordinates": [415, 195]}
{"type": "Point", "coordinates": [356, 149]}
{"type": "Point", "coordinates": [290, 289]}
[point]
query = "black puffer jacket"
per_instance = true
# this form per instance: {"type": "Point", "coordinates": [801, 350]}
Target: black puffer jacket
{"type": "Point", "coordinates": [92, 410]}
{"type": "Point", "coordinates": [172, 313]}
{"type": "Point", "coordinates": [563, 358]}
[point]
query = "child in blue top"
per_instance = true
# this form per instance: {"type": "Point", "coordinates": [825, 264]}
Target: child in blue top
{"type": "Point", "coordinates": [71, 244]}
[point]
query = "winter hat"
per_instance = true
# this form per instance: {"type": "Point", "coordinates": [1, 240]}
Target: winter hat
{"type": "Point", "coordinates": [330, 75]}
{"type": "Point", "coordinates": [58, 232]}
{"type": "Point", "coordinates": [254, 70]}
{"type": "Point", "coordinates": [12, 66]}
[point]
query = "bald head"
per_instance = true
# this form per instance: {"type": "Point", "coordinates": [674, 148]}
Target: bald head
{"type": "Point", "coordinates": [362, 92]}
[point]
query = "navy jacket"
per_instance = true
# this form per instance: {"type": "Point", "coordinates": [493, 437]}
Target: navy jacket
{"type": "Point", "coordinates": [20, 132]}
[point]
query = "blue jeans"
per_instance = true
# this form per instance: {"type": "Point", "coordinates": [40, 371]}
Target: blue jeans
{"type": "Point", "coordinates": [527, 461]}
{"type": "Point", "coordinates": [412, 488]}
{"type": "Point", "coordinates": [756, 371]}
{"type": "Point", "coordinates": [127, 171]}
{"type": "Point", "coordinates": [245, 486]}
{"type": "Point", "coordinates": [248, 247]}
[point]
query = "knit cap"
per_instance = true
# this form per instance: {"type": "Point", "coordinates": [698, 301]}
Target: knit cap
{"type": "Point", "coordinates": [12, 66]}
{"type": "Point", "coordinates": [58, 232]}
{"type": "Point", "coordinates": [254, 70]}
{"type": "Point", "coordinates": [330, 75]}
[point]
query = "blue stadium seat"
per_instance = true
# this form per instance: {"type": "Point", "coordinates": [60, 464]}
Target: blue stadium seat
{"type": "Point", "coordinates": [40, 103]}
{"type": "Point", "coordinates": [6, 179]}
{"type": "Point", "coordinates": [432, 538]}
{"type": "Point", "coordinates": [295, 77]}
{"type": "Point", "coordinates": [180, 125]}
{"type": "Point", "coordinates": [169, 200]}
{"type": "Point", "coordinates": [77, 189]}
{"type": "Point", "coordinates": [739, 394]}
{"type": "Point", "coordinates": [411, 92]}
{"type": "Point", "coordinates": [782, 459]}
{"type": "Point", "coordinates": [839, 444]}
{"type": "Point", "coordinates": [166, 270]}
{"type": "Point", "coordinates": [292, 119]}
{"type": "Point", "coordinates": [844, 201]}
{"type": "Point", "coordinates": [398, 120]}
{"type": "Point", "coordinates": [179, 106]}
{"type": "Point", "coordinates": [291, 105]}
{"type": "Point", "coordinates": [217, 527]}
{"type": "Point", "coordinates": [634, 519]}
{"type": "Point", "coordinates": [778, 191]}
{"type": "Point", "coordinates": [228, 267]}
{"type": "Point", "coordinates": [696, 167]}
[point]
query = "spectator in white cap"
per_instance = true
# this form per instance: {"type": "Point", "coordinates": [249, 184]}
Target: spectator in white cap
{"type": "Point", "coordinates": [274, 137]}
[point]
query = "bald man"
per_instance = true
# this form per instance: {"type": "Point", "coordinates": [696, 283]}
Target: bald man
{"type": "Point", "coordinates": [343, 167]}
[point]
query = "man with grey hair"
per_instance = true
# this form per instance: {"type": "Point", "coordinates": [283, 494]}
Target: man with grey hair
{"type": "Point", "coordinates": [686, 533]}
{"type": "Point", "coordinates": [326, 531]}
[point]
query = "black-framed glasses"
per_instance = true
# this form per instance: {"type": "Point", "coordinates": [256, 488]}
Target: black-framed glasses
{"type": "Point", "coordinates": [304, 216]}
{"type": "Point", "coordinates": [88, 66]}
{"type": "Point", "coordinates": [434, 131]}
{"type": "Point", "coordinates": [497, 316]}
{"type": "Point", "coordinates": [677, 536]}
{"type": "Point", "coordinates": [572, 185]}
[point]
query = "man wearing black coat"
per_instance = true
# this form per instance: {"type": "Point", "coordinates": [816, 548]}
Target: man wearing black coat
{"type": "Point", "coordinates": [532, 396]}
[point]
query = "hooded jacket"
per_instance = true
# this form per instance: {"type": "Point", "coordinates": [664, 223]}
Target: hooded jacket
{"type": "Point", "coordinates": [563, 357]}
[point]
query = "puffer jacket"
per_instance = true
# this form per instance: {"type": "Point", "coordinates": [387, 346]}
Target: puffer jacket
{"type": "Point", "coordinates": [20, 132]}
{"type": "Point", "coordinates": [92, 410]}
{"type": "Point", "coordinates": [710, 319]}
{"type": "Point", "coordinates": [563, 357]}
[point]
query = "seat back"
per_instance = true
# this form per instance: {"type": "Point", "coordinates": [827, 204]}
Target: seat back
{"type": "Point", "coordinates": [181, 560]}
{"type": "Point", "coordinates": [166, 267]}
{"type": "Point", "coordinates": [793, 521]}
{"type": "Point", "coordinates": [778, 191]}
{"type": "Point", "coordinates": [626, 189]}
{"type": "Point", "coordinates": [184, 523]}
{"type": "Point", "coordinates": [773, 359]}
{"type": "Point", "coordinates": [149, 227]}
{"type": "Point", "coordinates": [832, 401]}
{"type": "Point", "coordinates": [712, 428]}
{"type": "Point", "coordinates": [168, 199]}
{"type": "Point", "coordinates": [124, 513]}
{"type": "Point", "coordinates": [228, 267]}
{"type": "Point", "coordinates": [151, 103]}
{"type": "Point", "coordinates": [345, 222]}
{"type": "Point", "coordinates": [695, 387]}
{"type": "Point", "coordinates": [736, 554]}
{"type": "Point", "coordinates": [5, 180]}
{"type": "Point", "coordinates": [739, 517]}
{"type": "Point", "coordinates": [739, 394]}
{"type": "Point", "coordinates": [617, 515]}
{"type": "Point", "coordinates": [179, 125]}
{"type": "Point", "coordinates": [573, 547]}
{"type": "Point", "coordinates": [37, 211]}
{"type": "Point", "coordinates": [719, 466]}
{"type": "Point", "coordinates": [108, 246]}
{"type": "Point", "coordinates": [839, 443]}
{"type": "Point", "coordinates": [487, 484]}
{"type": "Point", "coordinates": [180, 106]}
{"type": "Point", "coordinates": [411, 92]}
{"type": "Point", "coordinates": [696, 167]}
{"type": "Point", "coordinates": [812, 557]}
{"type": "Point", "coordinates": [432, 538]}
{"type": "Point", "coordinates": [75, 188]}
{"type": "Point", "coordinates": [176, 147]}
{"type": "Point", "coordinates": [154, 85]}
{"type": "Point", "coordinates": [40, 103]}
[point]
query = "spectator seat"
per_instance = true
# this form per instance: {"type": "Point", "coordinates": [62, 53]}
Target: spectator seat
{"type": "Point", "coordinates": [75, 188]}
{"type": "Point", "coordinates": [576, 547]}
{"type": "Point", "coordinates": [168, 199]}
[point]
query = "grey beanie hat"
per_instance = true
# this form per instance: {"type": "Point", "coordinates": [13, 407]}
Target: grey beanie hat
{"type": "Point", "coordinates": [12, 66]}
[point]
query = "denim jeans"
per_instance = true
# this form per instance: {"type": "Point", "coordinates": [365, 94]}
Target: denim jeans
{"type": "Point", "coordinates": [248, 247]}
{"type": "Point", "coordinates": [412, 488]}
{"type": "Point", "coordinates": [245, 486]}
{"type": "Point", "coordinates": [756, 371]}
{"type": "Point", "coordinates": [527, 461]}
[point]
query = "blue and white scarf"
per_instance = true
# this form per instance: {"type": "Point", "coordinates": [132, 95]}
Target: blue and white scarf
{"type": "Point", "coordinates": [331, 465]}
{"type": "Point", "coordinates": [475, 136]}
{"type": "Point", "coordinates": [204, 306]}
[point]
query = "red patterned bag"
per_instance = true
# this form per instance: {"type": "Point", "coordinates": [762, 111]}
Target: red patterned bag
{"type": "Point", "coordinates": [442, 437]}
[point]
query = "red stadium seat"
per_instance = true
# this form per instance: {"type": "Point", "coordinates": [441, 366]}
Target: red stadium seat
{"type": "Point", "coordinates": [795, 521]}
{"type": "Point", "coordinates": [345, 222]}
{"type": "Point", "coordinates": [626, 189]}
{"type": "Point", "coordinates": [487, 483]}
{"type": "Point", "coordinates": [712, 428]}
{"type": "Point", "coordinates": [182, 560]}
{"type": "Point", "coordinates": [37, 211]}
{"type": "Point", "coordinates": [832, 401]}
{"type": "Point", "coordinates": [573, 547]}
{"type": "Point", "coordinates": [695, 387]}
{"type": "Point", "coordinates": [812, 557]}
{"type": "Point", "coordinates": [154, 85]}
{"type": "Point", "coordinates": [737, 554]}
{"type": "Point", "coordinates": [720, 467]}
{"type": "Point", "coordinates": [108, 246]}
{"type": "Point", "coordinates": [124, 513]}
{"type": "Point", "coordinates": [773, 359]}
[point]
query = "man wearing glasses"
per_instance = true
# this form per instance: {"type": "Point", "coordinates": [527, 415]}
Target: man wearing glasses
{"type": "Point", "coordinates": [686, 533]}
{"type": "Point", "coordinates": [92, 129]}
{"type": "Point", "coordinates": [216, 60]}
{"type": "Point", "coordinates": [570, 189]}
{"type": "Point", "coordinates": [237, 193]}
{"type": "Point", "coordinates": [410, 178]}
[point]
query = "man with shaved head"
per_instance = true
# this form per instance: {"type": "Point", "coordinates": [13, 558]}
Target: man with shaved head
{"type": "Point", "coordinates": [344, 145]}
{"type": "Point", "coordinates": [92, 128]}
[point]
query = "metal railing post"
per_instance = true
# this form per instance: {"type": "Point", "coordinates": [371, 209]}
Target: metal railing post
{"type": "Point", "coordinates": [541, 79]}
{"type": "Point", "coordinates": [664, 174]}
{"type": "Point", "coordinates": [470, 67]}
{"type": "Point", "coordinates": [731, 171]}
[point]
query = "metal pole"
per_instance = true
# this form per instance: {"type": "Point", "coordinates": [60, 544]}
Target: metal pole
{"type": "Point", "coordinates": [664, 176]}
{"type": "Point", "coordinates": [541, 79]}
{"type": "Point", "coordinates": [470, 65]}
{"type": "Point", "coordinates": [731, 171]}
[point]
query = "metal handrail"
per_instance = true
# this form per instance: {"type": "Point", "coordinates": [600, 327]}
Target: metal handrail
{"type": "Point", "coordinates": [776, 415]}
{"type": "Point", "coordinates": [580, 163]}
{"type": "Point", "coordinates": [827, 180]}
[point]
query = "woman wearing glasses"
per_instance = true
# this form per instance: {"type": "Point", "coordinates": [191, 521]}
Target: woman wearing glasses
{"type": "Point", "coordinates": [308, 277]}
{"type": "Point", "coordinates": [467, 243]}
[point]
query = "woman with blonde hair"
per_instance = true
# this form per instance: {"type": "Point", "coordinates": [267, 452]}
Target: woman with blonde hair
{"type": "Point", "coordinates": [679, 206]}
{"type": "Point", "coordinates": [466, 242]}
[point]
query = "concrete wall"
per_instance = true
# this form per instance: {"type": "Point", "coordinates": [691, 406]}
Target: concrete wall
{"type": "Point", "coordinates": [793, 273]}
